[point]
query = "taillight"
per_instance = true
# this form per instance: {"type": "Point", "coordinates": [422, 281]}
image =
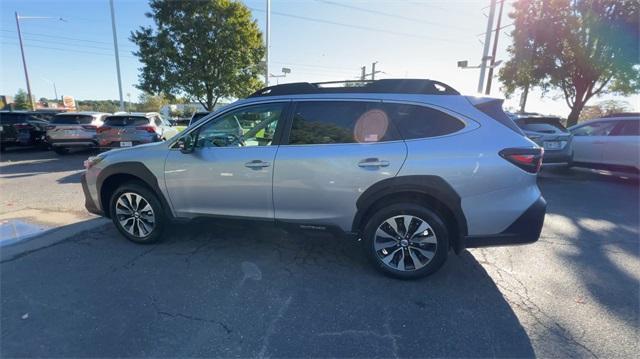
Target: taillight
{"type": "Point", "coordinates": [89, 127]}
{"type": "Point", "coordinates": [149, 129]}
{"type": "Point", "coordinates": [22, 126]}
{"type": "Point", "coordinates": [529, 159]}
{"type": "Point", "coordinates": [103, 129]}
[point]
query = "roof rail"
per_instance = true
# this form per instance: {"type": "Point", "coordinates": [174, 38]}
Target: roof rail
{"type": "Point", "coordinates": [407, 86]}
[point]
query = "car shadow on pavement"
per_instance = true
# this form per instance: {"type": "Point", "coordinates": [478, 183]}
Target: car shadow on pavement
{"type": "Point", "coordinates": [596, 230]}
{"type": "Point", "coordinates": [27, 165]}
{"type": "Point", "coordinates": [234, 289]}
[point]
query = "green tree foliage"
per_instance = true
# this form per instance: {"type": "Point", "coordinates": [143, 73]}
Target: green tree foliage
{"type": "Point", "coordinates": [151, 103]}
{"type": "Point", "coordinates": [21, 100]}
{"type": "Point", "coordinates": [582, 47]}
{"type": "Point", "coordinates": [109, 106]}
{"type": "Point", "coordinates": [604, 108]}
{"type": "Point", "coordinates": [203, 49]}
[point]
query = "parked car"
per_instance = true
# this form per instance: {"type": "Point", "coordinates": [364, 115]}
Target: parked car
{"type": "Point", "coordinates": [411, 167]}
{"type": "Point", "coordinates": [19, 128]}
{"type": "Point", "coordinates": [611, 143]}
{"type": "Point", "coordinates": [74, 130]}
{"type": "Point", "coordinates": [550, 134]}
{"type": "Point", "coordinates": [197, 116]}
{"type": "Point", "coordinates": [131, 129]}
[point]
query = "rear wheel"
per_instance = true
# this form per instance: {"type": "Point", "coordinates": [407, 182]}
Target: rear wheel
{"type": "Point", "coordinates": [406, 240]}
{"type": "Point", "coordinates": [60, 150]}
{"type": "Point", "coordinates": [137, 213]}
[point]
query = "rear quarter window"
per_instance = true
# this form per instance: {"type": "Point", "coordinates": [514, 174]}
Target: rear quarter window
{"type": "Point", "coordinates": [413, 121]}
{"type": "Point", "coordinates": [126, 121]}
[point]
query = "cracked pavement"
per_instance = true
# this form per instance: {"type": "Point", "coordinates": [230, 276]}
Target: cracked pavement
{"type": "Point", "coordinates": [233, 289]}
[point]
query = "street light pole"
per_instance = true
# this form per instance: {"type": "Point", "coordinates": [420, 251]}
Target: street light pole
{"type": "Point", "coordinates": [495, 49]}
{"type": "Point", "coordinates": [24, 63]}
{"type": "Point", "coordinates": [268, 28]}
{"type": "Point", "coordinates": [487, 41]}
{"type": "Point", "coordinates": [115, 47]}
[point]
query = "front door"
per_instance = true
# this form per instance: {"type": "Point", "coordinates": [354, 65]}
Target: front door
{"type": "Point", "coordinates": [230, 171]}
{"type": "Point", "coordinates": [589, 141]}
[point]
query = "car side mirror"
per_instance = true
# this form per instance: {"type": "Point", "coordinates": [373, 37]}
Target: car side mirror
{"type": "Point", "coordinates": [186, 144]}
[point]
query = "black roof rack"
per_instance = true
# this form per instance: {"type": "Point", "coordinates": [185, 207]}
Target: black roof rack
{"type": "Point", "coordinates": [407, 86]}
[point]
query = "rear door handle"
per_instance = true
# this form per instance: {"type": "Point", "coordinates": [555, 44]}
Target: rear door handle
{"type": "Point", "coordinates": [257, 164]}
{"type": "Point", "coordinates": [373, 162]}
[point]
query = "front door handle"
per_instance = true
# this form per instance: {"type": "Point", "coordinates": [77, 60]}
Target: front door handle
{"type": "Point", "coordinates": [373, 162]}
{"type": "Point", "coordinates": [257, 164]}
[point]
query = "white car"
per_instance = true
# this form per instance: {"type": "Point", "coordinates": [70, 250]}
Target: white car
{"type": "Point", "coordinates": [608, 143]}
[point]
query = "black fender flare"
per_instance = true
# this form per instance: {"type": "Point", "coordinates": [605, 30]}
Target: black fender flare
{"type": "Point", "coordinates": [135, 169]}
{"type": "Point", "coordinates": [432, 186]}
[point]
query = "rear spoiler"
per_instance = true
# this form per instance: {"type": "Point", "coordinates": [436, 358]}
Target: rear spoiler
{"type": "Point", "coordinates": [492, 107]}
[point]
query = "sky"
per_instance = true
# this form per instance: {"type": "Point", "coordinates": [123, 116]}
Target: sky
{"type": "Point", "coordinates": [319, 40]}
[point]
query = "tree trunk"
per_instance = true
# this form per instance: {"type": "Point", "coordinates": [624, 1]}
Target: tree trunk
{"type": "Point", "coordinates": [575, 113]}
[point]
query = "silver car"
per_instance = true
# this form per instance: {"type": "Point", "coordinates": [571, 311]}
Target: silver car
{"type": "Point", "coordinates": [131, 129]}
{"type": "Point", "coordinates": [550, 134]}
{"type": "Point", "coordinates": [74, 129]}
{"type": "Point", "coordinates": [611, 143]}
{"type": "Point", "coordinates": [410, 167]}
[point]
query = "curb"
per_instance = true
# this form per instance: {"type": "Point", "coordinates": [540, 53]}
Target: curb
{"type": "Point", "coordinates": [49, 238]}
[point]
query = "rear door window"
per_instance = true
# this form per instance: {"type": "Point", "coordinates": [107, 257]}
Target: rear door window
{"type": "Point", "coordinates": [121, 121]}
{"type": "Point", "coordinates": [72, 120]}
{"type": "Point", "coordinates": [415, 121]}
{"type": "Point", "coordinates": [333, 122]}
{"type": "Point", "coordinates": [627, 128]}
{"type": "Point", "coordinates": [595, 129]}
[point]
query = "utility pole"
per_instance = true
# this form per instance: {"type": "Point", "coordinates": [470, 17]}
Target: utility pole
{"type": "Point", "coordinates": [24, 63]}
{"type": "Point", "coordinates": [495, 49]}
{"type": "Point", "coordinates": [266, 60]}
{"type": "Point", "coordinates": [487, 40]}
{"type": "Point", "coordinates": [115, 47]}
{"type": "Point", "coordinates": [364, 73]}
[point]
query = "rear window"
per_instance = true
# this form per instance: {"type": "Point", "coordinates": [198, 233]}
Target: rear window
{"type": "Point", "coordinates": [72, 120]}
{"type": "Point", "coordinates": [550, 125]}
{"type": "Point", "coordinates": [126, 121]}
{"type": "Point", "coordinates": [10, 118]}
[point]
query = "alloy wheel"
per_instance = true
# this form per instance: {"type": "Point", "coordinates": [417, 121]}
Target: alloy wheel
{"type": "Point", "coordinates": [405, 243]}
{"type": "Point", "coordinates": [135, 215]}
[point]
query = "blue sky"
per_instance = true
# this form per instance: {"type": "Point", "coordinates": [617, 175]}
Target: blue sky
{"type": "Point", "coordinates": [422, 39]}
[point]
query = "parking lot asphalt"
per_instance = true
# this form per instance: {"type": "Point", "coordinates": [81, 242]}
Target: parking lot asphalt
{"type": "Point", "coordinates": [237, 289]}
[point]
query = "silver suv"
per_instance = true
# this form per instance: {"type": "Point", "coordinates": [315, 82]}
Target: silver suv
{"type": "Point", "coordinates": [410, 167]}
{"type": "Point", "coordinates": [74, 129]}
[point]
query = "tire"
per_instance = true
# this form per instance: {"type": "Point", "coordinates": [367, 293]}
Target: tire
{"type": "Point", "coordinates": [141, 226]}
{"type": "Point", "coordinates": [421, 255]}
{"type": "Point", "coordinates": [60, 150]}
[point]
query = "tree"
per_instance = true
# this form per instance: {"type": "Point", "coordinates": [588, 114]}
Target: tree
{"type": "Point", "coordinates": [21, 100]}
{"type": "Point", "coordinates": [604, 108]}
{"type": "Point", "coordinates": [151, 103]}
{"type": "Point", "coordinates": [582, 47]}
{"type": "Point", "coordinates": [203, 49]}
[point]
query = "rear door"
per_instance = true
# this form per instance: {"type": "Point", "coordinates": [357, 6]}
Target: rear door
{"type": "Point", "coordinates": [335, 150]}
{"type": "Point", "coordinates": [623, 145]}
{"type": "Point", "coordinates": [589, 141]}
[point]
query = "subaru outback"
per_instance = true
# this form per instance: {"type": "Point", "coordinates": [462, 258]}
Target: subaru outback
{"type": "Point", "coordinates": [410, 167]}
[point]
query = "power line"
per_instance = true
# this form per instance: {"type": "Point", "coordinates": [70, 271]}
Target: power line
{"type": "Point", "coordinates": [66, 50]}
{"type": "Point", "coordinates": [60, 43]}
{"type": "Point", "coordinates": [359, 27]}
{"type": "Point", "coordinates": [342, 69]}
{"type": "Point", "coordinates": [382, 13]}
{"type": "Point", "coordinates": [65, 38]}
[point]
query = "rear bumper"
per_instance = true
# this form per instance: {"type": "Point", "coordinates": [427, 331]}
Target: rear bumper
{"type": "Point", "coordinates": [89, 203]}
{"type": "Point", "coordinates": [80, 142]}
{"type": "Point", "coordinates": [556, 157]}
{"type": "Point", "coordinates": [525, 229]}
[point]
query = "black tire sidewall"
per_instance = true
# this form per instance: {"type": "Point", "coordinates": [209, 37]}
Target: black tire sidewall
{"type": "Point", "coordinates": [60, 150]}
{"type": "Point", "coordinates": [152, 199]}
{"type": "Point", "coordinates": [432, 218]}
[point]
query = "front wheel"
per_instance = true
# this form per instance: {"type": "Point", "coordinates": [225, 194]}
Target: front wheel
{"type": "Point", "coordinates": [406, 240]}
{"type": "Point", "coordinates": [137, 213]}
{"type": "Point", "coordinates": [60, 150]}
